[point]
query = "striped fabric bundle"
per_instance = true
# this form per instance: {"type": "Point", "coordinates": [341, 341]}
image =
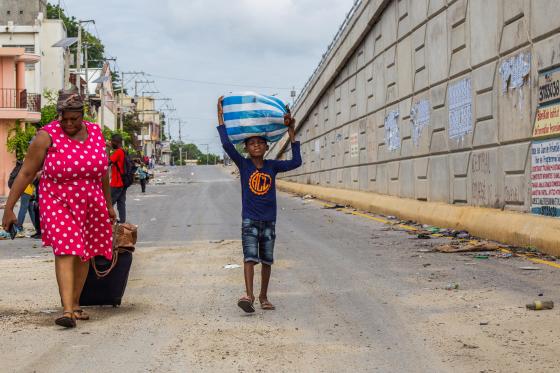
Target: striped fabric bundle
{"type": "Point", "coordinates": [250, 114]}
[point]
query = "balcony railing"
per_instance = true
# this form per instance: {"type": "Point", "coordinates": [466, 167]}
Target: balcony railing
{"type": "Point", "coordinates": [19, 99]}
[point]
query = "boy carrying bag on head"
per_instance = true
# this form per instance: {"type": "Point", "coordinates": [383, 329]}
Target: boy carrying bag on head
{"type": "Point", "coordinates": [258, 196]}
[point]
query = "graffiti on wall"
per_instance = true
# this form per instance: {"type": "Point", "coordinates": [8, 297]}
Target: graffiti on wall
{"type": "Point", "coordinates": [545, 177]}
{"type": "Point", "coordinates": [483, 185]}
{"type": "Point", "coordinates": [460, 109]}
{"type": "Point", "coordinates": [392, 134]}
{"type": "Point", "coordinates": [419, 118]}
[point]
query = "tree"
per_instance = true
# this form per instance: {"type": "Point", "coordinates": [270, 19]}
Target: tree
{"type": "Point", "coordinates": [96, 49]}
{"type": "Point", "coordinates": [19, 138]}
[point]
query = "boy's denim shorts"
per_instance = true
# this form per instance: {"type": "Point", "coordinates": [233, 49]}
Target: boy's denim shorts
{"type": "Point", "coordinates": [258, 241]}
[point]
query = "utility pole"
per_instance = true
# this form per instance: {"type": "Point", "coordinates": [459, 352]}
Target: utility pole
{"type": "Point", "coordinates": [86, 62]}
{"type": "Point", "coordinates": [121, 100]}
{"type": "Point", "coordinates": [207, 146]}
{"type": "Point", "coordinates": [79, 51]}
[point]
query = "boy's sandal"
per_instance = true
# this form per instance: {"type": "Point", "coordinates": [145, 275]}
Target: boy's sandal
{"type": "Point", "coordinates": [246, 305]}
{"type": "Point", "coordinates": [80, 314]}
{"type": "Point", "coordinates": [66, 321]}
{"type": "Point", "coordinates": [266, 305]}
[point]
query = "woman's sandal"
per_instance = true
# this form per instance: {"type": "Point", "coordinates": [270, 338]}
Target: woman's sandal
{"type": "Point", "coordinates": [80, 314]}
{"type": "Point", "coordinates": [266, 305]}
{"type": "Point", "coordinates": [65, 321]}
{"type": "Point", "coordinates": [246, 304]}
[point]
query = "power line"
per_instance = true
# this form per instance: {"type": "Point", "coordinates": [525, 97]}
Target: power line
{"type": "Point", "coordinates": [217, 83]}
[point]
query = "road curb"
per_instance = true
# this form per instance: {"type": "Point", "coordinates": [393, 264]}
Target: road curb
{"type": "Point", "coordinates": [513, 228]}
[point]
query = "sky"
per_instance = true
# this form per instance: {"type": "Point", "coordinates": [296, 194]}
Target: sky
{"type": "Point", "coordinates": [266, 46]}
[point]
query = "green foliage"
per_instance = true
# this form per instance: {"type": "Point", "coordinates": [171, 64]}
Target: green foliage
{"type": "Point", "coordinates": [19, 138]}
{"type": "Point", "coordinates": [211, 159]}
{"type": "Point", "coordinates": [108, 133]}
{"type": "Point", "coordinates": [96, 49]}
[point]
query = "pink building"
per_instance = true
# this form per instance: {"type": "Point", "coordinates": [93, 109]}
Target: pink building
{"type": "Point", "coordinates": [16, 104]}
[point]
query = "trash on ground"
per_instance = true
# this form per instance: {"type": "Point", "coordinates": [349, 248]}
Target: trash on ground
{"type": "Point", "coordinates": [540, 305]}
{"type": "Point", "coordinates": [333, 207]}
{"type": "Point", "coordinates": [529, 268]}
{"type": "Point", "coordinates": [48, 311]}
{"type": "Point", "coordinates": [425, 251]}
{"type": "Point", "coordinates": [308, 196]}
{"type": "Point", "coordinates": [484, 323]}
{"type": "Point", "coordinates": [423, 236]}
{"type": "Point", "coordinates": [231, 266]}
{"type": "Point", "coordinates": [481, 256]}
{"type": "Point", "coordinates": [456, 247]}
{"type": "Point", "coordinates": [452, 286]}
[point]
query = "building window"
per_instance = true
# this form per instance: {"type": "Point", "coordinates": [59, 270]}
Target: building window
{"type": "Point", "coordinates": [8, 12]}
{"type": "Point", "coordinates": [21, 12]}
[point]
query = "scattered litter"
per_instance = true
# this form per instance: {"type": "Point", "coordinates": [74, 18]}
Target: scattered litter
{"type": "Point", "coordinates": [427, 264]}
{"type": "Point", "coordinates": [217, 241]}
{"type": "Point", "coordinates": [481, 256]}
{"type": "Point", "coordinates": [391, 217]}
{"type": "Point", "coordinates": [452, 286]}
{"type": "Point", "coordinates": [334, 207]}
{"type": "Point", "coordinates": [425, 251]}
{"type": "Point", "coordinates": [540, 305]}
{"type": "Point", "coordinates": [231, 266]}
{"type": "Point", "coordinates": [423, 236]}
{"type": "Point", "coordinates": [48, 311]}
{"type": "Point", "coordinates": [192, 173]}
{"type": "Point", "coordinates": [528, 268]}
{"type": "Point", "coordinates": [484, 322]}
{"type": "Point", "coordinates": [308, 196]}
{"type": "Point", "coordinates": [462, 234]}
{"type": "Point", "coordinates": [472, 246]}
{"type": "Point", "coordinates": [504, 255]}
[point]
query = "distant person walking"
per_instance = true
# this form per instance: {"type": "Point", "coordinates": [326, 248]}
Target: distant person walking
{"type": "Point", "coordinates": [75, 199]}
{"type": "Point", "coordinates": [142, 173]}
{"type": "Point", "coordinates": [118, 189]}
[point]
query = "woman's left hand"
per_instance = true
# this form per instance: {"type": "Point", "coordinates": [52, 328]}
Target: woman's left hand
{"type": "Point", "coordinates": [112, 214]}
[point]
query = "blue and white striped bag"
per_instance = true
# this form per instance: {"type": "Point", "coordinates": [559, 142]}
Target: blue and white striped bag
{"type": "Point", "coordinates": [249, 114]}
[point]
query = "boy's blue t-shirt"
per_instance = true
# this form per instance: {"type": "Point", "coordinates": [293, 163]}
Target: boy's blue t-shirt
{"type": "Point", "coordinates": [258, 186]}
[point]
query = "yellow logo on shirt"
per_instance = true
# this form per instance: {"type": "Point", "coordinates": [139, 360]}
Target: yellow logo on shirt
{"type": "Point", "coordinates": [260, 183]}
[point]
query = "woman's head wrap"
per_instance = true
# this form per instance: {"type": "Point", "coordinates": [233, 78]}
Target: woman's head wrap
{"type": "Point", "coordinates": [69, 100]}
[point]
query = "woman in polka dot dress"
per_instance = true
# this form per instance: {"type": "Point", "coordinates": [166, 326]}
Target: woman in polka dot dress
{"type": "Point", "coordinates": [75, 200]}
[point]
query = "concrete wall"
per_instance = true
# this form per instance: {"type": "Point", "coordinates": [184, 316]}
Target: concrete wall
{"type": "Point", "coordinates": [21, 12]}
{"type": "Point", "coordinates": [52, 58]}
{"type": "Point", "coordinates": [437, 55]}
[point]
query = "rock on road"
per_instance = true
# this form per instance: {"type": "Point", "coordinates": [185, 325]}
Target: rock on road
{"type": "Point", "coordinates": [352, 295]}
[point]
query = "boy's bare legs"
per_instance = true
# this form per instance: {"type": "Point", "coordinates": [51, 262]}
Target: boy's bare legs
{"type": "Point", "coordinates": [249, 270]}
{"type": "Point", "coordinates": [265, 278]}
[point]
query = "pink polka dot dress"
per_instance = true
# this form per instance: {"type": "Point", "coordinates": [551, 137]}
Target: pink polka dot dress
{"type": "Point", "coordinates": [74, 216]}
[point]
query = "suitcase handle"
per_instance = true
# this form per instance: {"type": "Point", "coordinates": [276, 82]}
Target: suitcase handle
{"type": "Point", "coordinates": [101, 274]}
{"type": "Point", "coordinates": [116, 250]}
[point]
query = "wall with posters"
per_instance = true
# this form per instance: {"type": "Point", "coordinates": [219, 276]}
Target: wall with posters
{"type": "Point", "coordinates": [442, 96]}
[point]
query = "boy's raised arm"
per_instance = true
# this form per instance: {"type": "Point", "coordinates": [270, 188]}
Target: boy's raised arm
{"type": "Point", "coordinates": [226, 143]}
{"type": "Point", "coordinates": [295, 162]}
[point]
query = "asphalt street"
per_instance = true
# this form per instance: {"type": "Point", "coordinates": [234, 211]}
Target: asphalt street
{"type": "Point", "coordinates": [352, 294]}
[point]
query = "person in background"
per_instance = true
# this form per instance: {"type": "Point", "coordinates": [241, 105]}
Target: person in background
{"type": "Point", "coordinates": [24, 207]}
{"type": "Point", "coordinates": [76, 209]}
{"type": "Point", "coordinates": [142, 173]}
{"type": "Point", "coordinates": [35, 206]}
{"type": "Point", "coordinates": [118, 190]}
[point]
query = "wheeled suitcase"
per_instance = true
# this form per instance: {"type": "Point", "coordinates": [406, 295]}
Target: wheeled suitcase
{"type": "Point", "coordinates": [107, 290]}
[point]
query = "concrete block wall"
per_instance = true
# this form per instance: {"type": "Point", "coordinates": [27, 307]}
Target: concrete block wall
{"type": "Point", "coordinates": [411, 51]}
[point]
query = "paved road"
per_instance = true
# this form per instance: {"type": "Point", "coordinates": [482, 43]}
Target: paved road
{"type": "Point", "coordinates": [353, 294]}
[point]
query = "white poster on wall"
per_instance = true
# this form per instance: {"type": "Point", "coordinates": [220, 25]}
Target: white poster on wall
{"type": "Point", "coordinates": [317, 146]}
{"type": "Point", "coordinates": [354, 145]}
{"type": "Point", "coordinates": [419, 118]}
{"type": "Point", "coordinates": [459, 97]}
{"type": "Point", "coordinates": [392, 134]}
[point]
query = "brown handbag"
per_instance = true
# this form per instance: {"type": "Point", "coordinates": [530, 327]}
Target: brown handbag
{"type": "Point", "coordinates": [124, 238]}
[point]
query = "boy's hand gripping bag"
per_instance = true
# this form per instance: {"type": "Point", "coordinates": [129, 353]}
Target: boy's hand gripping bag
{"type": "Point", "coordinates": [250, 114]}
